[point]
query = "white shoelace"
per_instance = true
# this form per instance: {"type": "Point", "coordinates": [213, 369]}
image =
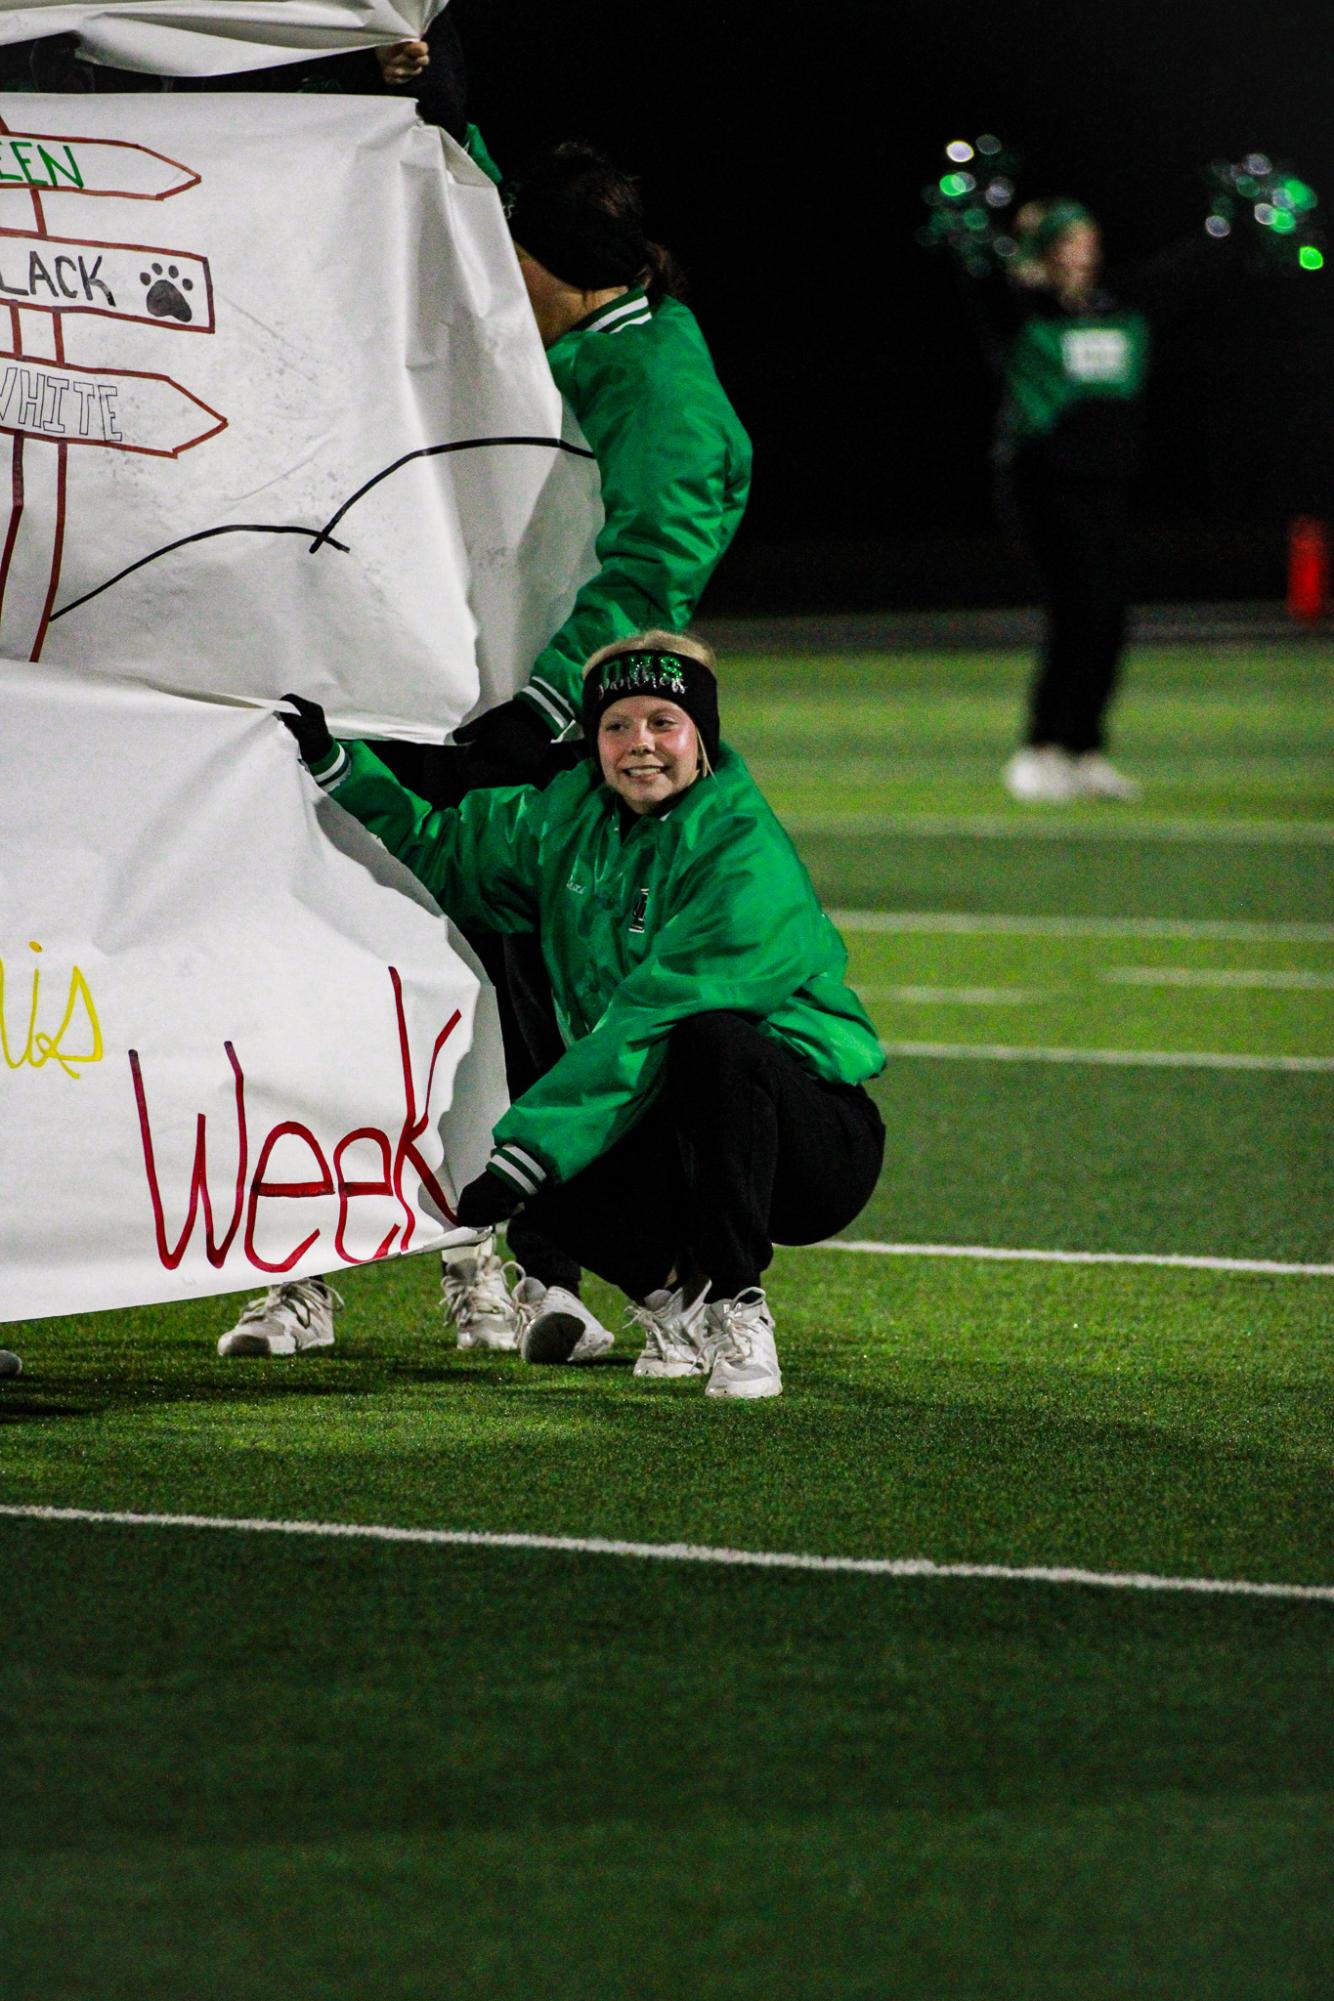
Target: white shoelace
{"type": "Point", "coordinates": [514, 1276]}
{"type": "Point", "coordinates": [666, 1328]}
{"type": "Point", "coordinates": [657, 1336]}
{"type": "Point", "coordinates": [736, 1325]}
{"type": "Point", "coordinates": [297, 1301]}
{"type": "Point", "coordinates": [490, 1290]}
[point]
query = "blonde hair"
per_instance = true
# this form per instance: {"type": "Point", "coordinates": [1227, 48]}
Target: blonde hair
{"type": "Point", "coordinates": [658, 639]}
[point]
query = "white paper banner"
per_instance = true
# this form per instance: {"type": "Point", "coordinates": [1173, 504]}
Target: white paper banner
{"type": "Point", "coordinates": [232, 1025]}
{"type": "Point", "coordinates": [273, 408]}
{"type": "Point", "coordinates": [208, 37]}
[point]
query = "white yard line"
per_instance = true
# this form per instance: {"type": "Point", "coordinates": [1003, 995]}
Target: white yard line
{"type": "Point", "coordinates": [1161, 1059]}
{"type": "Point", "coordinates": [1171, 1260]}
{"type": "Point", "coordinates": [1263, 980]}
{"type": "Point", "coordinates": [685, 1552]}
{"type": "Point", "coordinates": [958, 996]}
{"type": "Point", "coordinates": [967, 924]}
{"type": "Point", "coordinates": [1260, 980]}
{"type": "Point", "coordinates": [1002, 827]}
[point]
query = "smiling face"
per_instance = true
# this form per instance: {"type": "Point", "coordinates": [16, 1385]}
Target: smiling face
{"type": "Point", "coordinates": [648, 749]}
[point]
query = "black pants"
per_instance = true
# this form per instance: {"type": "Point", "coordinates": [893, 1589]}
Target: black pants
{"type": "Point", "coordinates": [1075, 531]}
{"type": "Point", "coordinates": [742, 1148]}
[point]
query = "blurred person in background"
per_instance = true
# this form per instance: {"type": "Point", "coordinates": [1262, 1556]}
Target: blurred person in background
{"type": "Point", "coordinates": [1071, 349]}
{"type": "Point", "coordinates": [1073, 358]}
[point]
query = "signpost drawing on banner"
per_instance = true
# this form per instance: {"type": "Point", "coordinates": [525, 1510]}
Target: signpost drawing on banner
{"type": "Point", "coordinates": [366, 351]}
{"type": "Point", "coordinates": [120, 168]}
{"type": "Point", "coordinates": [44, 280]}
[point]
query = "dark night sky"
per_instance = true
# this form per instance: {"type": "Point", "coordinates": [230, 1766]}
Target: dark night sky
{"type": "Point", "coordinates": [783, 150]}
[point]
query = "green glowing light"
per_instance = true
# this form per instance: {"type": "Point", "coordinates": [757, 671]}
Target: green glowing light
{"type": "Point", "coordinates": [1310, 258]}
{"type": "Point", "coordinates": [1299, 194]}
{"type": "Point", "coordinates": [955, 184]}
{"type": "Point", "coordinates": [1284, 222]}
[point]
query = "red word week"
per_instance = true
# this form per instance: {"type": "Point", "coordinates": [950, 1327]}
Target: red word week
{"type": "Point", "coordinates": [251, 1188]}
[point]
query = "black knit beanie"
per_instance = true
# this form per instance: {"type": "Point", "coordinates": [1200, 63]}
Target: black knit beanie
{"type": "Point", "coordinates": [649, 670]}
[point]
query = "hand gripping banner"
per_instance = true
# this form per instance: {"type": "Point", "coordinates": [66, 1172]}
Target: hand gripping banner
{"type": "Point", "coordinates": [238, 1042]}
{"type": "Point", "coordinates": [273, 408]}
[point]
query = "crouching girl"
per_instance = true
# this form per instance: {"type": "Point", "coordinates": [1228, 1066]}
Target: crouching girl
{"type": "Point", "coordinates": [710, 1100]}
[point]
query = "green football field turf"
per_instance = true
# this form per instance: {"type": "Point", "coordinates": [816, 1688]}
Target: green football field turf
{"type": "Point", "coordinates": [290, 1767]}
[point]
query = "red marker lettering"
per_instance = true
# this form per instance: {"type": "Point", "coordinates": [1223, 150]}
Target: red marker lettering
{"type": "Point", "coordinates": [199, 1197]}
{"type": "Point", "coordinates": [290, 1190]}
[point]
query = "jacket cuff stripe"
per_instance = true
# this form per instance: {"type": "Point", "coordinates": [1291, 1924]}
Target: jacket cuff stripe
{"type": "Point", "coordinates": [333, 773]}
{"type": "Point", "coordinates": [518, 1167]}
{"type": "Point", "coordinates": [549, 702]}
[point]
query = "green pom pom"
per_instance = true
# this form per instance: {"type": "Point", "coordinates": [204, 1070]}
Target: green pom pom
{"type": "Point", "coordinates": [968, 205]}
{"type": "Point", "coordinates": [1271, 204]}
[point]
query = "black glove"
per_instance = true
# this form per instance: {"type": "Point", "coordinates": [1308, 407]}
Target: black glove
{"type": "Point", "coordinates": [509, 744]}
{"type": "Point", "coordinates": [309, 728]}
{"type": "Point", "coordinates": [488, 1199]}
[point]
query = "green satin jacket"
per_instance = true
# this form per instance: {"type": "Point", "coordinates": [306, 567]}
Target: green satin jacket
{"type": "Point", "coordinates": [643, 919]}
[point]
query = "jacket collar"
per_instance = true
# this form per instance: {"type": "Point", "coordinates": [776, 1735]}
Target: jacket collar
{"type": "Point", "coordinates": [628, 309]}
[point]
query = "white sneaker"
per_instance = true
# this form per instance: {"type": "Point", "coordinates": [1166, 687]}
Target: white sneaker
{"type": "Point", "coordinates": [558, 1326]}
{"type": "Point", "coordinates": [476, 1296]}
{"type": "Point", "coordinates": [1096, 777]}
{"type": "Point", "coordinates": [673, 1335]}
{"type": "Point", "coordinates": [1041, 774]}
{"type": "Point", "coordinates": [739, 1341]}
{"type": "Point", "coordinates": [287, 1320]}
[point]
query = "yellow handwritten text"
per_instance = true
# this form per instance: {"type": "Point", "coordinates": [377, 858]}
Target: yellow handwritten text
{"type": "Point", "coordinates": [39, 1046]}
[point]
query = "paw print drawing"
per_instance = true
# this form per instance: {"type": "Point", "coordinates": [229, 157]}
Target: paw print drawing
{"type": "Point", "coordinates": [166, 299]}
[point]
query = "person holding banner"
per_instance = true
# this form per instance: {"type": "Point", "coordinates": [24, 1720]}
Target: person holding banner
{"type": "Point", "coordinates": [632, 365]}
{"type": "Point", "coordinates": [710, 1098]}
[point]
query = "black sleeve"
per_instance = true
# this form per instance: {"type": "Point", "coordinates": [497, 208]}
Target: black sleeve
{"type": "Point", "coordinates": [994, 310]}
{"type": "Point", "coordinates": [442, 94]}
{"type": "Point", "coordinates": [441, 91]}
{"type": "Point", "coordinates": [1193, 271]}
